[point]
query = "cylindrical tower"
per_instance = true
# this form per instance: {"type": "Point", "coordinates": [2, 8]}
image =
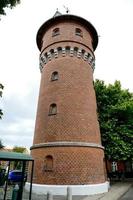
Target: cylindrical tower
{"type": "Point", "coordinates": [67, 146]}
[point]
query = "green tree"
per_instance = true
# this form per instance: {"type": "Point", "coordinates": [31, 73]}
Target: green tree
{"type": "Point", "coordinates": [1, 145]}
{"type": "Point", "coordinates": [1, 88]}
{"type": "Point", "coordinates": [7, 3]}
{"type": "Point", "coordinates": [115, 114]}
{"type": "Point", "coordinates": [1, 113]}
{"type": "Point", "coordinates": [19, 149]}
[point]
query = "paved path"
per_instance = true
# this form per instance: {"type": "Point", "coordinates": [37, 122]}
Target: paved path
{"type": "Point", "coordinates": [43, 197]}
{"type": "Point", "coordinates": [128, 195]}
{"type": "Point", "coordinates": [118, 191]}
{"type": "Point", "coordinates": [115, 192]}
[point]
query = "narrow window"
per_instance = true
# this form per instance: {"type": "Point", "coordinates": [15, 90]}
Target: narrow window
{"type": "Point", "coordinates": [55, 32]}
{"type": "Point", "coordinates": [59, 50]}
{"type": "Point", "coordinates": [53, 109]}
{"type": "Point", "coordinates": [67, 50]}
{"type": "Point", "coordinates": [78, 32]}
{"type": "Point", "coordinates": [54, 76]}
{"type": "Point", "coordinates": [48, 163]}
{"type": "Point", "coordinates": [75, 51]}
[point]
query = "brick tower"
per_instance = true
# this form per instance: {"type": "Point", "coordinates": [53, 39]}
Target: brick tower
{"type": "Point", "coordinates": [67, 146]}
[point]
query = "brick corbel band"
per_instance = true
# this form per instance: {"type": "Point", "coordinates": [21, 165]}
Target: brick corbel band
{"type": "Point", "coordinates": [67, 144]}
{"type": "Point", "coordinates": [45, 57]}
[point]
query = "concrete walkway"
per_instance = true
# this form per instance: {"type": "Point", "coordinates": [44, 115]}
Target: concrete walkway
{"type": "Point", "coordinates": [116, 190]}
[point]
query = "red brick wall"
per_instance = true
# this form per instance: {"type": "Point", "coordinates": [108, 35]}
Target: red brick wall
{"type": "Point", "coordinates": [67, 32]}
{"type": "Point", "coordinates": [73, 165]}
{"type": "Point", "coordinates": [76, 118]}
{"type": "Point", "coordinates": [74, 95]}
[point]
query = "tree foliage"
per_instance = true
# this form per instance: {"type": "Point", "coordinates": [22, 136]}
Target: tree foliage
{"type": "Point", "coordinates": [7, 4]}
{"type": "Point", "coordinates": [1, 88]}
{"type": "Point", "coordinates": [1, 145]}
{"type": "Point", "coordinates": [19, 149]}
{"type": "Point", "coordinates": [115, 114]}
{"type": "Point", "coordinates": [1, 113]}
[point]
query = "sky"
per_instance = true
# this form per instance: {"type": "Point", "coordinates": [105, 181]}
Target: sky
{"type": "Point", "coordinates": [19, 56]}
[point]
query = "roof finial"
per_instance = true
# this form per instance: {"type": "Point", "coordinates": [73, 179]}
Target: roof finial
{"type": "Point", "coordinates": [66, 8]}
{"type": "Point", "coordinates": [57, 13]}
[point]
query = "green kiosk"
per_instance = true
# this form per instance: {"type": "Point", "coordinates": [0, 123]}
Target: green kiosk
{"type": "Point", "coordinates": [24, 158]}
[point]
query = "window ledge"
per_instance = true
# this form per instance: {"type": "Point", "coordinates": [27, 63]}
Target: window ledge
{"type": "Point", "coordinates": [54, 79]}
{"type": "Point", "coordinates": [50, 114]}
{"type": "Point", "coordinates": [55, 34]}
{"type": "Point", "coordinates": [48, 170]}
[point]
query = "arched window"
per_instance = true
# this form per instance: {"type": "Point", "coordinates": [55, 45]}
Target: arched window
{"type": "Point", "coordinates": [59, 50]}
{"type": "Point", "coordinates": [78, 32]}
{"type": "Point", "coordinates": [55, 32]}
{"type": "Point", "coordinates": [48, 163]}
{"type": "Point", "coordinates": [54, 76]}
{"type": "Point", "coordinates": [53, 109]}
{"type": "Point", "coordinates": [67, 50]}
{"type": "Point", "coordinates": [52, 53]}
{"type": "Point", "coordinates": [82, 53]}
{"type": "Point", "coordinates": [75, 51]}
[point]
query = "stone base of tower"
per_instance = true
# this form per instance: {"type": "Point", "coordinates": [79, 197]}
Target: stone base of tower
{"type": "Point", "coordinates": [62, 189]}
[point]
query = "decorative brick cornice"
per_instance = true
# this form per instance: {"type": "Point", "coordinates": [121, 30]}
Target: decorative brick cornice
{"type": "Point", "coordinates": [66, 144]}
{"type": "Point", "coordinates": [45, 57]}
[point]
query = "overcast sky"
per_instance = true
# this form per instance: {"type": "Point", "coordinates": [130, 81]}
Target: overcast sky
{"type": "Point", "coordinates": [19, 56]}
